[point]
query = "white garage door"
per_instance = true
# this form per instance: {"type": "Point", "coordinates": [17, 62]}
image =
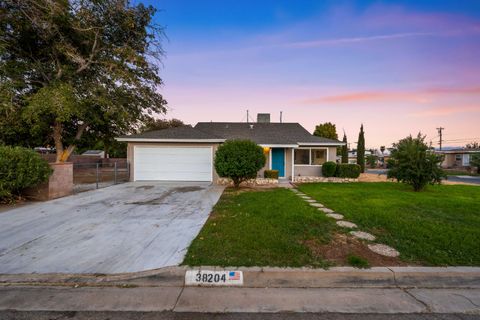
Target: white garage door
{"type": "Point", "coordinates": [172, 163]}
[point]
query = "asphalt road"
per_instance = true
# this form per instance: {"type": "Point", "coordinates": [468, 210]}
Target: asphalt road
{"type": "Point", "coordinates": [466, 179]}
{"type": "Point", "coordinates": [13, 315]}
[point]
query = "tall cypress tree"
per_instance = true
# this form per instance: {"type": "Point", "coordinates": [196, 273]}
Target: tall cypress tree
{"type": "Point", "coordinates": [361, 149]}
{"type": "Point", "coordinates": [344, 149]}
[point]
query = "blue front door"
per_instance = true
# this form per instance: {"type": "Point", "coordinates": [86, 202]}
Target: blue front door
{"type": "Point", "coordinates": [278, 161]}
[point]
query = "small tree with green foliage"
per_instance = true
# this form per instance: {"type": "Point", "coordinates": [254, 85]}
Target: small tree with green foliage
{"type": "Point", "coordinates": [361, 149]}
{"type": "Point", "coordinates": [345, 149]}
{"type": "Point", "coordinates": [372, 161]}
{"type": "Point", "coordinates": [326, 130]}
{"type": "Point", "coordinates": [239, 160]}
{"type": "Point", "coordinates": [475, 161]}
{"type": "Point", "coordinates": [414, 164]}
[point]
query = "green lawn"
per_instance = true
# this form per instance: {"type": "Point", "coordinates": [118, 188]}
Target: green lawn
{"type": "Point", "coordinates": [440, 226]}
{"type": "Point", "coordinates": [261, 228]}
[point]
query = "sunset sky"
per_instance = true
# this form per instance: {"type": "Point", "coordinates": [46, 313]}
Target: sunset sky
{"type": "Point", "coordinates": [397, 67]}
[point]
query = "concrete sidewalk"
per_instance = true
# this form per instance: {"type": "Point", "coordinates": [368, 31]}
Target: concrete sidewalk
{"type": "Point", "coordinates": [266, 290]}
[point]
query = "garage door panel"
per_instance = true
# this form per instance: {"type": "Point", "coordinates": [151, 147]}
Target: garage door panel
{"type": "Point", "coordinates": [173, 163]}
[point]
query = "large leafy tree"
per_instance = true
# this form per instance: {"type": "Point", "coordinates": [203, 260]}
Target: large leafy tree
{"type": "Point", "coordinates": [160, 124]}
{"type": "Point", "coordinates": [413, 163]}
{"type": "Point", "coordinates": [326, 130]}
{"type": "Point", "coordinates": [82, 65]}
{"type": "Point", "coordinates": [361, 149]}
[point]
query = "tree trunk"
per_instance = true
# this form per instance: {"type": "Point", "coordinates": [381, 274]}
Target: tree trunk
{"type": "Point", "coordinates": [64, 154]}
{"type": "Point", "coordinates": [57, 138]}
{"type": "Point", "coordinates": [106, 148]}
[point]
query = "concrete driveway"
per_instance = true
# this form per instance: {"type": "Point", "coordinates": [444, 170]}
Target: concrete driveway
{"type": "Point", "coordinates": [125, 228]}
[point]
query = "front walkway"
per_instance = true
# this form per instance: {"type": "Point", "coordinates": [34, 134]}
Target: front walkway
{"type": "Point", "coordinates": [124, 228]}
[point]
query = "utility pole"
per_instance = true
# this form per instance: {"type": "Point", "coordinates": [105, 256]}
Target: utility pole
{"type": "Point", "coordinates": [440, 136]}
{"type": "Point", "coordinates": [281, 113]}
{"type": "Point", "coordinates": [248, 119]}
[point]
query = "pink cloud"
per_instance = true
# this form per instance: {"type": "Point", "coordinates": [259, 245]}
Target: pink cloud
{"type": "Point", "coordinates": [420, 96]}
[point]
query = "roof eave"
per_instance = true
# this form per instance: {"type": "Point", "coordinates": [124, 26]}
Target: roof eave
{"type": "Point", "coordinates": [321, 143]}
{"type": "Point", "coordinates": [169, 140]}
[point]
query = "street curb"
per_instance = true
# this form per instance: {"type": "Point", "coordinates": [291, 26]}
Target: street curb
{"type": "Point", "coordinates": [268, 277]}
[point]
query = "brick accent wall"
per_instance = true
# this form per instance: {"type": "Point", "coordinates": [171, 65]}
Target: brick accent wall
{"type": "Point", "coordinates": [59, 185]}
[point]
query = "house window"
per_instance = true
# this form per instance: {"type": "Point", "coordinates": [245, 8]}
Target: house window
{"type": "Point", "coordinates": [458, 157]}
{"type": "Point", "coordinates": [302, 156]}
{"type": "Point", "coordinates": [319, 156]}
{"type": "Point", "coordinates": [310, 156]}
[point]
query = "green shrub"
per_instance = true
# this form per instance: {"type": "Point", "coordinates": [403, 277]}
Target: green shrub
{"type": "Point", "coordinates": [475, 161]}
{"type": "Point", "coordinates": [270, 174]}
{"type": "Point", "coordinates": [239, 160]}
{"type": "Point", "coordinates": [414, 164]}
{"type": "Point", "coordinates": [348, 170]}
{"type": "Point", "coordinates": [20, 168]}
{"type": "Point", "coordinates": [329, 168]}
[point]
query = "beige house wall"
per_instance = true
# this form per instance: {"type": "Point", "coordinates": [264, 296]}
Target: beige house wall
{"type": "Point", "coordinates": [448, 161]}
{"type": "Point", "coordinates": [315, 171]}
{"type": "Point", "coordinates": [302, 170]}
{"type": "Point", "coordinates": [288, 163]}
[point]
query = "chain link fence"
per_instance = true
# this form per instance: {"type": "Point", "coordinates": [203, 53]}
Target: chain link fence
{"type": "Point", "coordinates": [101, 174]}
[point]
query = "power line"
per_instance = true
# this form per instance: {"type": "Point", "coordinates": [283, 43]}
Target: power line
{"type": "Point", "coordinates": [440, 129]}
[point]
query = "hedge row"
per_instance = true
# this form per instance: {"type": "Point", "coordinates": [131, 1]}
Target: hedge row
{"type": "Point", "coordinates": [20, 168]}
{"type": "Point", "coordinates": [341, 170]}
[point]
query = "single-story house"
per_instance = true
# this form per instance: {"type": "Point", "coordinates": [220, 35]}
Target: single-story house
{"type": "Point", "coordinates": [187, 153]}
{"type": "Point", "coordinates": [457, 158]}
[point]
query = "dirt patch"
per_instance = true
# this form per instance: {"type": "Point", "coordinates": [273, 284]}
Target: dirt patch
{"type": "Point", "coordinates": [373, 177]}
{"type": "Point", "coordinates": [446, 182]}
{"type": "Point", "coordinates": [19, 202]}
{"type": "Point", "coordinates": [341, 246]}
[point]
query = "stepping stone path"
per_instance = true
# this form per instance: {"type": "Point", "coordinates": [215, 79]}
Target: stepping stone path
{"type": "Point", "coordinates": [346, 224]}
{"type": "Point", "coordinates": [380, 249]}
{"type": "Point", "coordinates": [384, 250]}
{"type": "Point", "coordinates": [335, 216]}
{"type": "Point", "coordinates": [363, 235]}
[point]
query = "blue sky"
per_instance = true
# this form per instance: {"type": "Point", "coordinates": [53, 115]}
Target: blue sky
{"type": "Point", "coordinates": [399, 67]}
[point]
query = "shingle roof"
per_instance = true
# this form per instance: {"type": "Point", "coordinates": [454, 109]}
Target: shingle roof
{"type": "Point", "coordinates": [180, 133]}
{"type": "Point", "coordinates": [459, 150]}
{"type": "Point", "coordinates": [262, 133]}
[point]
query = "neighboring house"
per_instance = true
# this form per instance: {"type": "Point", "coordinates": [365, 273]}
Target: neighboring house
{"type": "Point", "coordinates": [94, 153]}
{"type": "Point", "coordinates": [457, 158]}
{"type": "Point", "coordinates": [352, 156]}
{"type": "Point", "coordinates": [187, 153]}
